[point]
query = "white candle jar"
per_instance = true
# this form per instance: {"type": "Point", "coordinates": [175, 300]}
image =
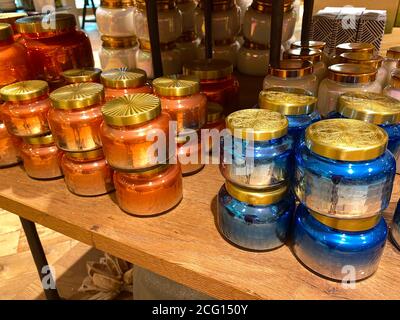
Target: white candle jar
{"type": "Point", "coordinates": [222, 51]}
{"type": "Point", "coordinates": [118, 52]}
{"type": "Point", "coordinates": [115, 18]}
{"type": "Point", "coordinates": [343, 78]}
{"type": "Point", "coordinates": [391, 61]}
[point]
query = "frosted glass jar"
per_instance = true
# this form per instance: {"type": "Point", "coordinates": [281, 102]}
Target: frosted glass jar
{"type": "Point", "coordinates": [115, 18]}
{"type": "Point", "coordinates": [253, 59]}
{"type": "Point", "coordinates": [391, 61]}
{"type": "Point", "coordinates": [9, 148]}
{"type": "Point", "coordinates": [343, 169]}
{"type": "Point", "coordinates": [118, 52]}
{"type": "Point", "coordinates": [222, 50]}
{"type": "Point", "coordinates": [393, 88]}
{"type": "Point", "coordinates": [292, 73]}
{"type": "Point", "coordinates": [343, 78]}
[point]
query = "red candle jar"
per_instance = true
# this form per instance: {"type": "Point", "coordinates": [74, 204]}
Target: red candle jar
{"type": "Point", "coordinates": [54, 45]}
{"type": "Point", "coordinates": [26, 106]}
{"type": "Point", "coordinates": [216, 80]}
{"type": "Point", "coordinates": [14, 61]}
{"type": "Point", "coordinates": [76, 116]}
{"type": "Point", "coordinates": [149, 192]}
{"type": "Point", "coordinates": [189, 152]}
{"type": "Point", "coordinates": [181, 98]}
{"type": "Point", "coordinates": [132, 126]}
{"type": "Point", "coordinates": [41, 157]}
{"type": "Point", "coordinates": [9, 151]}
{"type": "Point", "coordinates": [87, 173]}
{"type": "Point", "coordinates": [82, 75]}
{"type": "Point", "coordinates": [123, 81]}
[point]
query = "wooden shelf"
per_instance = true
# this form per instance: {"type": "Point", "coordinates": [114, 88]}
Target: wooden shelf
{"type": "Point", "coordinates": [184, 244]}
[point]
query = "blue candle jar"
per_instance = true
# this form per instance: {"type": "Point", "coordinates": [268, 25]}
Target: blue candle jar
{"type": "Point", "coordinates": [339, 248]}
{"type": "Point", "coordinates": [343, 169]}
{"type": "Point", "coordinates": [252, 219]}
{"type": "Point", "coordinates": [298, 105]}
{"type": "Point", "coordinates": [395, 228]}
{"type": "Point", "coordinates": [256, 153]}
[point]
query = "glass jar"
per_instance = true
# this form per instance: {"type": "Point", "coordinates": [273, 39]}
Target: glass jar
{"type": "Point", "coordinates": [10, 18]}
{"type": "Point", "coordinates": [123, 81]}
{"type": "Point", "coordinates": [76, 116]}
{"type": "Point", "coordinates": [82, 75]}
{"type": "Point", "coordinates": [181, 98]}
{"type": "Point", "coordinates": [188, 46]}
{"type": "Point", "coordinates": [255, 220]}
{"type": "Point", "coordinates": [222, 50]}
{"type": "Point", "coordinates": [217, 81]}
{"type": "Point", "coordinates": [391, 61]}
{"type": "Point", "coordinates": [393, 88]}
{"type": "Point", "coordinates": [362, 48]}
{"type": "Point", "coordinates": [319, 45]}
{"type": "Point", "coordinates": [87, 173]}
{"type": "Point", "coordinates": [135, 132]}
{"type": "Point", "coordinates": [343, 78]}
{"type": "Point", "coordinates": [395, 226]}
{"type": "Point", "coordinates": [253, 58]}
{"type": "Point", "coordinates": [26, 106]}
{"type": "Point", "coordinates": [298, 105]}
{"type": "Point", "coordinates": [118, 52]}
{"type": "Point", "coordinates": [189, 151]}
{"type": "Point", "coordinates": [336, 248]}
{"type": "Point", "coordinates": [215, 117]}
{"type": "Point", "coordinates": [14, 61]}
{"type": "Point", "coordinates": [55, 45]}
{"type": "Point", "coordinates": [292, 73]}
{"type": "Point", "coordinates": [258, 153]}
{"type": "Point", "coordinates": [115, 18]}
{"type": "Point", "coordinates": [149, 192]}
{"type": "Point", "coordinates": [41, 157]}
{"type": "Point", "coordinates": [9, 148]}
{"type": "Point", "coordinates": [343, 169]}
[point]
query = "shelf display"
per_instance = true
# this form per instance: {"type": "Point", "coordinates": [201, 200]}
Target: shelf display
{"type": "Point", "coordinates": [82, 75]}
{"type": "Point", "coordinates": [118, 52]}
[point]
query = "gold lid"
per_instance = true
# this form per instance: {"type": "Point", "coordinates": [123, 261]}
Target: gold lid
{"type": "Point", "coordinates": [46, 23]}
{"type": "Point", "coordinates": [370, 107]}
{"type": "Point", "coordinates": [24, 90]}
{"type": "Point", "coordinates": [256, 197]}
{"type": "Point", "coordinates": [352, 73]}
{"type": "Point", "coordinates": [361, 47]}
{"type": "Point", "coordinates": [214, 112]}
{"type": "Point", "coordinates": [291, 68]}
{"type": "Point", "coordinates": [86, 155]}
{"type": "Point", "coordinates": [45, 139]}
{"type": "Point", "coordinates": [6, 31]}
{"type": "Point", "coordinates": [313, 55]}
{"type": "Point", "coordinates": [309, 44]}
{"type": "Point", "coordinates": [208, 69]}
{"type": "Point", "coordinates": [265, 6]}
{"type": "Point", "coordinates": [176, 86]}
{"type": "Point", "coordinates": [82, 75]}
{"type": "Point", "coordinates": [346, 139]}
{"type": "Point", "coordinates": [123, 78]}
{"type": "Point", "coordinates": [395, 79]}
{"type": "Point", "coordinates": [131, 109]}
{"type": "Point", "coordinates": [116, 3]}
{"type": "Point", "coordinates": [352, 225]}
{"type": "Point", "coordinates": [11, 17]}
{"type": "Point", "coordinates": [355, 57]}
{"type": "Point", "coordinates": [77, 95]}
{"type": "Point", "coordinates": [262, 124]}
{"type": "Point", "coordinates": [287, 101]}
{"type": "Point", "coordinates": [118, 42]}
{"type": "Point", "coordinates": [393, 52]}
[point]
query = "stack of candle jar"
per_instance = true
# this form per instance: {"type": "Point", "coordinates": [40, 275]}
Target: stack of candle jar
{"type": "Point", "coordinates": [115, 21]}
{"type": "Point", "coordinates": [343, 179]}
{"type": "Point", "coordinates": [255, 204]}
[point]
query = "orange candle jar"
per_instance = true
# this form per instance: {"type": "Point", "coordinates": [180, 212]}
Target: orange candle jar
{"type": "Point", "coordinates": [129, 132]}
{"type": "Point", "coordinates": [189, 152]}
{"type": "Point", "coordinates": [76, 116]}
{"type": "Point", "coordinates": [26, 106]}
{"type": "Point", "coordinates": [9, 151]}
{"type": "Point", "coordinates": [82, 75]}
{"type": "Point", "coordinates": [41, 157]}
{"type": "Point", "coordinates": [216, 80]}
{"type": "Point", "coordinates": [87, 173]}
{"type": "Point", "coordinates": [181, 98]}
{"type": "Point", "coordinates": [120, 82]}
{"type": "Point", "coordinates": [149, 192]}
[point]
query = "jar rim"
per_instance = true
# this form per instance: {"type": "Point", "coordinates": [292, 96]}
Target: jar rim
{"type": "Point", "coordinates": [46, 23]}
{"type": "Point", "coordinates": [118, 42]}
{"type": "Point", "coordinates": [365, 47]}
{"type": "Point", "coordinates": [86, 155]}
{"type": "Point", "coordinates": [43, 139]}
{"type": "Point", "coordinates": [352, 73]}
{"type": "Point", "coordinates": [357, 58]}
{"type": "Point", "coordinates": [291, 68]}
{"type": "Point", "coordinates": [24, 90]}
{"type": "Point", "coordinates": [116, 4]}
{"type": "Point", "coordinates": [214, 112]}
{"type": "Point", "coordinates": [77, 95]}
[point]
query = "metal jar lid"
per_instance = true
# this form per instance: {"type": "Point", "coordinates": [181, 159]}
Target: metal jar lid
{"type": "Point", "coordinates": [265, 6]}
{"type": "Point", "coordinates": [313, 55]}
{"type": "Point", "coordinates": [77, 95]}
{"type": "Point", "coordinates": [208, 69]}
{"type": "Point", "coordinates": [352, 73]}
{"type": "Point", "coordinates": [123, 78]}
{"type": "Point", "coordinates": [309, 45]}
{"type": "Point", "coordinates": [45, 139]}
{"type": "Point", "coordinates": [86, 155]}
{"type": "Point", "coordinates": [46, 23]}
{"type": "Point", "coordinates": [176, 86]}
{"type": "Point", "coordinates": [393, 53]}
{"type": "Point", "coordinates": [6, 31]}
{"type": "Point", "coordinates": [119, 42]}
{"type": "Point", "coordinates": [82, 75]}
{"type": "Point", "coordinates": [291, 68]}
{"type": "Point", "coordinates": [11, 17]}
{"type": "Point", "coordinates": [116, 4]}
{"type": "Point", "coordinates": [361, 47]}
{"type": "Point", "coordinates": [357, 58]}
{"type": "Point", "coordinates": [24, 90]}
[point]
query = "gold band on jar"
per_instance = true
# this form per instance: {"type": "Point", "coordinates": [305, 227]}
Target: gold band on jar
{"type": "Point", "coordinates": [313, 55]}
{"type": "Point", "coordinates": [88, 155]}
{"type": "Point", "coordinates": [208, 69]}
{"type": "Point", "coordinates": [46, 23]}
{"type": "Point", "coordinates": [123, 78]}
{"type": "Point", "coordinates": [46, 139]}
{"type": "Point", "coordinates": [291, 68]}
{"type": "Point", "coordinates": [77, 96]}
{"type": "Point", "coordinates": [116, 4]}
{"type": "Point", "coordinates": [309, 44]}
{"type": "Point", "coordinates": [161, 4]}
{"type": "Point", "coordinates": [118, 42]}
{"type": "Point", "coordinates": [6, 31]}
{"type": "Point", "coordinates": [360, 47]}
{"type": "Point", "coordinates": [265, 6]}
{"type": "Point", "coordinates": [24, 90]}
{"type": "Point", "coordinates": [82, 75]}
{"type": "Point", "coordinates": [146, 46]}
{"type": "Point", "coordinates": [357, 58]}
{"type": "Point", "coordinates": [393, 53]}
{"type": "Point", "coordinates": [176, 86]}
{"type": "Point", "coordinates": [352, 73]}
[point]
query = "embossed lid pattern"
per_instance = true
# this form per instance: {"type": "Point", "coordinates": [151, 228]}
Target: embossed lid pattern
{"type": "Point", "coordinates": [176, 86]}
{"type": "Point", "coordinates": [123, 78]}
{"type": "Point", "coordinates": [24, 90]}
{"type": "Point", "coordinates": [77, 95]}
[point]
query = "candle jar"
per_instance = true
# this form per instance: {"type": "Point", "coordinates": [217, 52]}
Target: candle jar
{"type": "Point", "coordinates": [339, 248]}
{"type": "Point", "coordinates": [76, 116]}
{"type": "Point", "coordinates": [118, 52]}
{"type": "Point", "coordinates": [181, 98]}
{"type": "Point", "coordinates": [395, 227]}
{"type": "Point", "coordinates": [149, 192]}
{"type": "Point", "coordinates": [14, 61]}
{"type": "Point", "coordinates": [318, 45]}
{"type": "Point", "coordinates": [344, 78]}
{"type": "Point", "coordinates": [361, 48]}
{"type": "Point", "coordinates": [87, 173]}
{"type": "Point", "coordinates": [292, 73]}
{"type": "Point", "coordinates": [259, 153]}
{"type": "Point", "coordinates": [188, 46]}
{"type": "Point", "coordinates": [255, 220]}
{"type": "Point", "coordinates": [189, 151]}
{"type": "Point", "coordinates": [393, 88]}
{"type": "Point", "coordinates": [253, 59]}
{"type": "Point", "coordinates": [82, 75]}
{"type": "Point", "coordinates": [133, 127]}
{"type": "Point", "coordinates": [216, 80]}
{"type": "Point", "coordinates": [298, 105]}
{"type": "Point", "coordinates": [215, 117]}
{"type": "Point", "coordinates": [343, 169]}
{"type": "Point", "coordinates": [122, 81]}
{"type": "Point", "coordinates": [41, 157]}
{"type": "Point", "coordinates": [25, 109]}
{"type": "Point", "coordinates": [9, 151]}
{"type": "Point", "coordinates": [54, 45]}
{"type": "Point", "coordinates": [10, 18]}
{"type": "Point", "coordinates": [115, 18]}
{"type": "Point", "coordinates": [222, 50]}
{"type": "Point", "coordinates": [391, 61]}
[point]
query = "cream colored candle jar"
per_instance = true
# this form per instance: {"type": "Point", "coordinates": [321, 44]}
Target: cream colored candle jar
{"type": "Point", "coordinates": [115, 18]}
{"type": "Point", "coordinates": [118, 52]}
{"type": "Point", "coordinates": [391, 61]}
{"type": "Point", "coordinates": [343, 78]}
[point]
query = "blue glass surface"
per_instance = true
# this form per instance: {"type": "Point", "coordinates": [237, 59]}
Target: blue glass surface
{"type": "Point", "coordinates": [336, 254]}
{"type": "Point", "coordinates": [395, 228]}
{"type": "Point", "coordinates": [254, 227]}
{"type": "Point", "coordinates": [299, 123]}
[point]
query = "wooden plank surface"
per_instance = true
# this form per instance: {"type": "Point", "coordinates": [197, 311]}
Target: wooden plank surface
{"type": "Point", "coordinates": [184, 244]}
